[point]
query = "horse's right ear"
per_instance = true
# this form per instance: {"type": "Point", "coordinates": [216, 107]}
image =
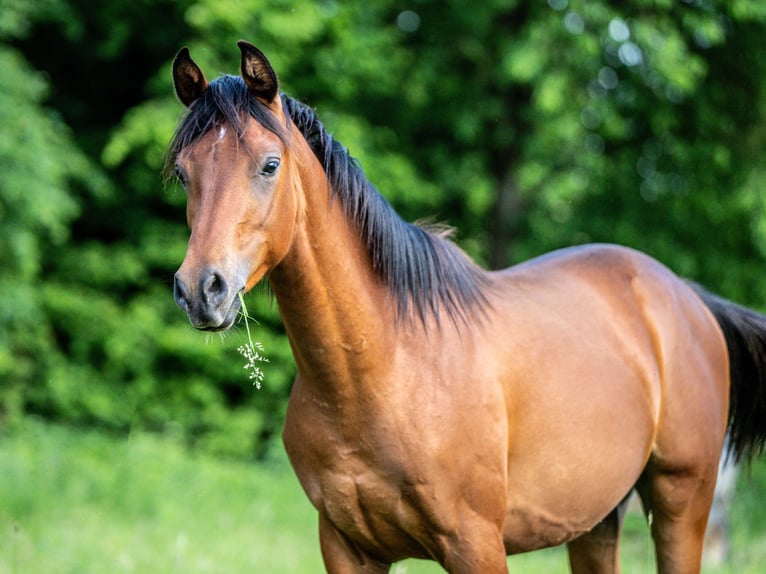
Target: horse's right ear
{"type": "Point", "coordinates": [259, 76]}
{"type": "Point", "coordinates": [188, 79]}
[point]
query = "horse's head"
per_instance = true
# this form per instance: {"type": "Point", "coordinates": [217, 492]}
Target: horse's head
{"type": "Point", "coordinates": [231, 155]}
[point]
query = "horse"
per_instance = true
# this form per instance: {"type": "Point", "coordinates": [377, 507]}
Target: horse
{"type": "Point", "coordinates": [442, 411]}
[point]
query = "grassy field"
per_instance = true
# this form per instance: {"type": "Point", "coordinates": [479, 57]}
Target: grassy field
{"type": "Point", "coordinates": [81, 502]}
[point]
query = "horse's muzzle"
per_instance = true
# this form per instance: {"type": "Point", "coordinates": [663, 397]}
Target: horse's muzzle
{"type": "Point", "coordinates": [209, 302]}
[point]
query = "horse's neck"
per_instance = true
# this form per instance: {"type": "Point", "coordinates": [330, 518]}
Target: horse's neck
{"type": "Point", "coordinates": [336, 310]}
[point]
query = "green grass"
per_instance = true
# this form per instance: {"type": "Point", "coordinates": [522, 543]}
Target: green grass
{"type": "Point", "coordinates": [84, 503]}
{"type": "Point", "coordinates": [79, 502]}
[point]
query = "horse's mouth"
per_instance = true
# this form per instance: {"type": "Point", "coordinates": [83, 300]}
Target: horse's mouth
{"type": "Point", "coordinates": [215, 320]}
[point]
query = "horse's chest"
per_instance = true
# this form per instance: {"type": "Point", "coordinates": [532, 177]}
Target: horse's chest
{"type": "Point", "coordinates": [358, 502]}
{"type": "Point", "coordinates": [359, 483]}
{"type": "Point", "coordinates": [369, 504]}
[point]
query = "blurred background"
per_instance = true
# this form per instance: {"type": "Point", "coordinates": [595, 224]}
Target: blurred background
{"type": "Point", "coordinates": [130, 442]}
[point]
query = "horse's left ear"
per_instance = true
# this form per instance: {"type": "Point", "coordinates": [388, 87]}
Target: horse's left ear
{"type": "Point", "coordinates": [259, 76]}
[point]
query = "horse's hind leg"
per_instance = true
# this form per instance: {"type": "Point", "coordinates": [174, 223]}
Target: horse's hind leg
{"type": "Point", "coordinates": [717, 534]}
{"type": "Point", "coordinates": [678, 503]}
{"type": "Point", "coordinates": [597, 551]}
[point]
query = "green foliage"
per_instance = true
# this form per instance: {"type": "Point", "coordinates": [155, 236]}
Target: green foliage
{"type": "Point", "coordinates": [43, 210]}
{"type": "Point", "coordinates": [527, 125]}
{"type": "Point", "coordinates": [41, 166]}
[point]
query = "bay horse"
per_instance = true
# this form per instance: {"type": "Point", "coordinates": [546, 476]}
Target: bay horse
{"type": "Point", "coordinates": [441, 411]}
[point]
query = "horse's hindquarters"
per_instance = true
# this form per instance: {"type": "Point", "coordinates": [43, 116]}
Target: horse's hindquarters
{"type": "Point", "coordinates": [613, 364]}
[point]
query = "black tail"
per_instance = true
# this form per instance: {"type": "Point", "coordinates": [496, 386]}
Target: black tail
{"type": "Point", "coordinates": [745, 333]}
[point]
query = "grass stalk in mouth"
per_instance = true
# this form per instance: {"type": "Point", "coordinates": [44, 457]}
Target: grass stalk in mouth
{"type": "Point", "coordinates": [252, 351]}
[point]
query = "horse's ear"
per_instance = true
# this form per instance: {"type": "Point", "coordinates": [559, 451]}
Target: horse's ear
{"type": "Point", "coordinates": [188, 79]}
{"type": "Point", "coordinates": [259, 76]}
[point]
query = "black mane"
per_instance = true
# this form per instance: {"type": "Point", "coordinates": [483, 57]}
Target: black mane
{"type": "Point", "coordinates": [425, 272]}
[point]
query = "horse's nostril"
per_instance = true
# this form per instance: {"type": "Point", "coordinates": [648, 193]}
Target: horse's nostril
{"type": "Point", "coordinates": [213, 287]}
{"type": "Point", "coordinates": [181, 293]}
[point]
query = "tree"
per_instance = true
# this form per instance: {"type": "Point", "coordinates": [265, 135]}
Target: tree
{"type": "Point", "coordinates": [41, 165]}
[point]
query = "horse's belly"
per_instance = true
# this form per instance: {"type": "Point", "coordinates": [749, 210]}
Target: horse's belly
{"type": "Point", "coordinates": [565, 502]}
{"type": "Point", "coordinates": [569, 488]}
{"type": "Point", "coordinates": [575, 460]}
{"type": "Point", "coordinates": [527, 529]}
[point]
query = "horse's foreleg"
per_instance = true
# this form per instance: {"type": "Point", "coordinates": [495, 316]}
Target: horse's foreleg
{"type": "Point", "coordinates": [597, 551]}
{"type": "Point", "coordinates": [341, 556]}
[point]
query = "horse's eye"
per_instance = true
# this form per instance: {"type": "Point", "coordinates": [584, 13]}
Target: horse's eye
{"type": "Point", "coordinates": [270, 167]}
{"type": "Point", "coordinates": [180, 176]}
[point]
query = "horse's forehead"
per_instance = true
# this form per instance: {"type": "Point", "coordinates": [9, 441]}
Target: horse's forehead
{"type": "Point", "coordinates": [226, 139]}
{"type": "Point", "coordinates": [258, 137]}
